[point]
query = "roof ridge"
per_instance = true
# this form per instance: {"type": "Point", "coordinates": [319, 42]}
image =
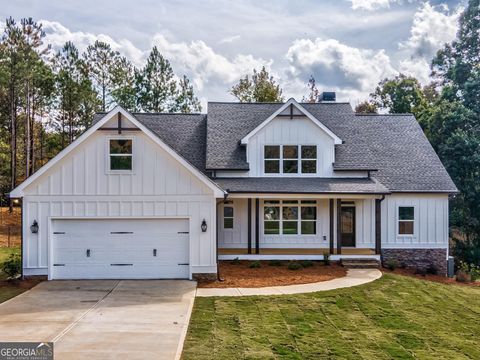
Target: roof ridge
{"type": "Point", "coordinates": [375, 114]}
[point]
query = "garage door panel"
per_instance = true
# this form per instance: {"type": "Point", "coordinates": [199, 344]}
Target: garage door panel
{"type": "Point", "coordinates": [153, 248]}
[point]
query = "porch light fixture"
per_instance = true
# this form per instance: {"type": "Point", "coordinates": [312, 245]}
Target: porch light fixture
{"type": "Point", "coordinates": [204, 226]}
{"type": "Point", "coordinates": [34, 227]}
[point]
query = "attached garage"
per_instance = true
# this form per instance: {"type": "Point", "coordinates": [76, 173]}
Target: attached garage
{"type": "Point", "coordinates": [119, 249]}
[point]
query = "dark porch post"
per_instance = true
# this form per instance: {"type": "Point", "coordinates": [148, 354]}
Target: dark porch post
{"type": "Point", "coordinates": [249, 212]}
{"type": "Point", "coordinates": [339, 225]}
{"type": "Point", "coordinates": [331, 225]}
{"type": "Point", "coordinates": [257, 226]}
{"type": "Point", "coordinates": [378, 226]}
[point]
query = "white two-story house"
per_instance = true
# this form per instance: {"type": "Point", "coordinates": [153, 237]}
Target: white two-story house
{"type": "Point", "coordinates": [168, 195]}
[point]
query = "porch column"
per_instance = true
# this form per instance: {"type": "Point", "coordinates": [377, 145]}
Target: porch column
{"type": "Point", "coordinates": [249, 212]}
{"type": "Point", "coordinates": [378, 226]}
{"type": "Point", "coordinates": [332, 213]}
{"type": "Point", "coordinates": [257, 226]}
{"type": "Point", "coordinates": [339, 225]}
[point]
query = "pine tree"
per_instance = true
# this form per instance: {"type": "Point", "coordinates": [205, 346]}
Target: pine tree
{"type": "Point", "coordinates": [101, 61]}
{"type": "Point", "coordinates": [155, 85]}
{"type": "Point", "coordinates": [313, 92]}
{"type": "Point", "coordinates": [123, 84]}
{"type": "Point", "coordinates": [186, 101]}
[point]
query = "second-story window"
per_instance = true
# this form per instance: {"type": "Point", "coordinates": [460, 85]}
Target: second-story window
{"type": "Point", "coordinates": [120, 154]}
{"type": "Point", "coordinates": [290, 159]}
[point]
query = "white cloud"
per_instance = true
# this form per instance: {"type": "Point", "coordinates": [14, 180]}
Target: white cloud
{"type": "Point", "coordinates": [229, 39]}
{"type": "Point", "coordinates": [336, 66]}
{"type": "Point", "coordinates": [203, 65]}
{"type": "Point", "coordinates": [369, 5]}
{"type": "Point", "coordinates": [432, 27]}
{"type": "Point", "coordinates": [57, 35]}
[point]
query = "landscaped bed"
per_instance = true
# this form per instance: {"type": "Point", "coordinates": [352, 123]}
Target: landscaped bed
{"type": "Point", "coordinates": [395, 317]}
{"type": "Point", "coordinates": [12, 288]}
{"type": "Point", "coordinates": [430, 277]}
{"type": "Point", "coordinates": [273, 273]}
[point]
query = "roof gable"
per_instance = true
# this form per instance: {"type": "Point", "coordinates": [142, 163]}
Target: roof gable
{"type": "Point", "coordinates": [291, 108]}
{"type": "Point", "coordinates": [18, 191]}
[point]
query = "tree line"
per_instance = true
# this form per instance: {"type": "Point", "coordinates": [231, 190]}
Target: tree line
{"type": "Point", "coordinates": [48, 98]}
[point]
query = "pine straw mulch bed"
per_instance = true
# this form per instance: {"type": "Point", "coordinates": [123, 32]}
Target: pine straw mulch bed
{"type": "Point", "coordinates": [12, 288]}
{"type": "Point", "coordinates": [429, 277]}
{"type": "Point", "coordinates": [239, 274]}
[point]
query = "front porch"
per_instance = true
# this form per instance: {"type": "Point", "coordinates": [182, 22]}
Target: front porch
{"type": "Point", "coordinates": [302, 227]}
{"type": "Point", "coordinates": [296, 254]}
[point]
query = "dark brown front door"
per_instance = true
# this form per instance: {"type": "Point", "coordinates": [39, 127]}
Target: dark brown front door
{"type": "Point", "coordinates": [347, 226]}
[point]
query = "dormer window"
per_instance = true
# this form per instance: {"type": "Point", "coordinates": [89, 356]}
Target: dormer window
{"type": "Point", "coordinates": [290, 159]}
{"type": "Point", "coordinates": [120, 154]}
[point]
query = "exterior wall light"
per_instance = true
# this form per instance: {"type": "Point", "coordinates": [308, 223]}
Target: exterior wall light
{"type": "Point", "coordinates": [34, 227]}
{"type": "Point", "coordinates": [204, 226]}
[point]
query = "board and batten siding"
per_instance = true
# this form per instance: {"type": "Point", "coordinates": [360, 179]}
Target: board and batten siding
{"type": "Point", "coordinates": [296, 131]}
{"type": "Point", "coordinates": [80, 185]}
{"type": "Point", "coordinates": [430, 221]}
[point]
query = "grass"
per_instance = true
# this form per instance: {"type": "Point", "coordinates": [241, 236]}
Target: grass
{"type": "Point", "coordinates": [8, 290]}
{"type": "Point", "coordinates": [395, 317]}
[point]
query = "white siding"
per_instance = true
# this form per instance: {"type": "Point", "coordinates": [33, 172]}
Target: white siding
{"type": "Point", "coordinates": [297, 131]}
{"type": "Point", "coordinates": [238, 236]}
{"type": "Point", "coordinates": [430, 226]}
{"type": "Point", "coordinates": [365, 223]}
{"type": "Point", "coordinates": [81, 186]}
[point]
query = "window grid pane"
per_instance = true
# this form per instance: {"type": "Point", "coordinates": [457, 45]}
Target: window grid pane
{"type": "Point", "coordinates": [122, 162]}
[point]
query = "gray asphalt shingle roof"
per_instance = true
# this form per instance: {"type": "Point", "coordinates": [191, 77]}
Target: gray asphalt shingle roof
{"type": "Point", "coordinates": [302, 185]}
{"type": "Point", "coordinates": [395, 145]}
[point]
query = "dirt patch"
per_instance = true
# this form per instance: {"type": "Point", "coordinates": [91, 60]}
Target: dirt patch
{"type": "Point", "coordinates": [10, 227]}
{"type": "Point", "coordinates": [239, 274]}
{"type": "Point", "coordinates": [429, 277]}
{"type": "Point", "coordinates": [10, 289]}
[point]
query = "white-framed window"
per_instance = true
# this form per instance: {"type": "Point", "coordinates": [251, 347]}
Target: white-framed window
{"type": "Point", "coordinates": [290, 159]}
{"type": "Point", "coordinates": [406, 220]}
{"type": "Point", "coordinates": [120, 154]}
{"type": "Point", "coordinates": [228, 216]}
{"type": "Point", "coordinates": [290, 217]}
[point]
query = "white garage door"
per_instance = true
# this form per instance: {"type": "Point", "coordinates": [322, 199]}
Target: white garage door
{"type": "Point", "coordinates": [120, 249]}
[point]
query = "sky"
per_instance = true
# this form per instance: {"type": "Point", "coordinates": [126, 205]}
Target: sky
{"type": "Point", "coordinates": [347, 45]}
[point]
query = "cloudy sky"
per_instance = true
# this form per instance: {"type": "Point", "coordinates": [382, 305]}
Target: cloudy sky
{"type": "Point", "coordinates": [347, 45]}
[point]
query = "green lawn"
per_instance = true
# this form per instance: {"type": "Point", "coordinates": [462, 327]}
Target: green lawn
{"type": "Point", "coordinates": [7, 290]}
{"type": "Point", "coordinates": [395, 317]}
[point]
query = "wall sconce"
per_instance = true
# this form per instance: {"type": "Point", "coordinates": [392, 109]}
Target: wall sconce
{"type": "Point", "coordinates": [34, 227]}
{"type": "Point", "coordinates": [204, 226]}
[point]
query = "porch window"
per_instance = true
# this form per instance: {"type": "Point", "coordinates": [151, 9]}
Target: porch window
{"type": "Point", "coordinates": [290, 217]}
{"type": "Point", "coordinates": [290, 159]}
{"type": "Point", "coordinates": [120, 154]}
{"type": "Point", "coordinates": [228, 217]}
{"type": "Point", "coordinates": [406, 219]}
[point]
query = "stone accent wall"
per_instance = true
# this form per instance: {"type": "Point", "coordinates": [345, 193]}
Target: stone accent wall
{"type": "Point", "coordinates": [417, 258]}
{"type": "Point", "coordinates": [204, 277]}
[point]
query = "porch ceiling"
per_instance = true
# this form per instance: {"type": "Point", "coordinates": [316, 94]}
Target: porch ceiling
{"type": "Point", "coordinates": [302, 185]}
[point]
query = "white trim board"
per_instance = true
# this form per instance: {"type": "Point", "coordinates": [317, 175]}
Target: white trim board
{"type": "Point", "coordinates": [293, 102]}
{"type": "Point", "coordinates": [18, 192]}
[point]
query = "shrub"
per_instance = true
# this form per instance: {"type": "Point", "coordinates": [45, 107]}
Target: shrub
{"type": "Point", "coordinates": [391, 264]}
{"type": "Point", "coordinates": [12, 266]}
{"type": "Point", "coordinates": [432, 269]}
{"type": "Point", "coordinates": [326, 258]}
{"type": "Point", "coordinates": [307, 263]}
{"type": "Point", "coordinates": [467, 272]}
{"type": "Point", "coordinates": [294, 266]}
{"type": "Point", "coordinates": [236, 261]}
{"type": "Point", "coordinates": [255, 264]}
{"type": "Point", "coordinates": [275, 263]}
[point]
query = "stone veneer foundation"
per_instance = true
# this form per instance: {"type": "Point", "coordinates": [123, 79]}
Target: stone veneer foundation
{"type": "Point", "coordinates": [418, 258]}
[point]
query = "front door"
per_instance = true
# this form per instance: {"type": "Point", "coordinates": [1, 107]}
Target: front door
{"type": "Point", "coordinates": [347, 226]}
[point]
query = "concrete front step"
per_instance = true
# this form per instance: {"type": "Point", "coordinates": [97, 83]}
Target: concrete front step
{"type": "Point", "coordinates": [360, 263]}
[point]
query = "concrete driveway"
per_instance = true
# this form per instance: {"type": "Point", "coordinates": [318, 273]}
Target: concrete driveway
{"type": "Point", "coordinates": [102, 319]}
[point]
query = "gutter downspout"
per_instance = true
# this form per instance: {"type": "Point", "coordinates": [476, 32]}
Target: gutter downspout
{"type": "Point", "coordinates": [225, 196]}
{"type": "Point", "coordinates": [378, 234]}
